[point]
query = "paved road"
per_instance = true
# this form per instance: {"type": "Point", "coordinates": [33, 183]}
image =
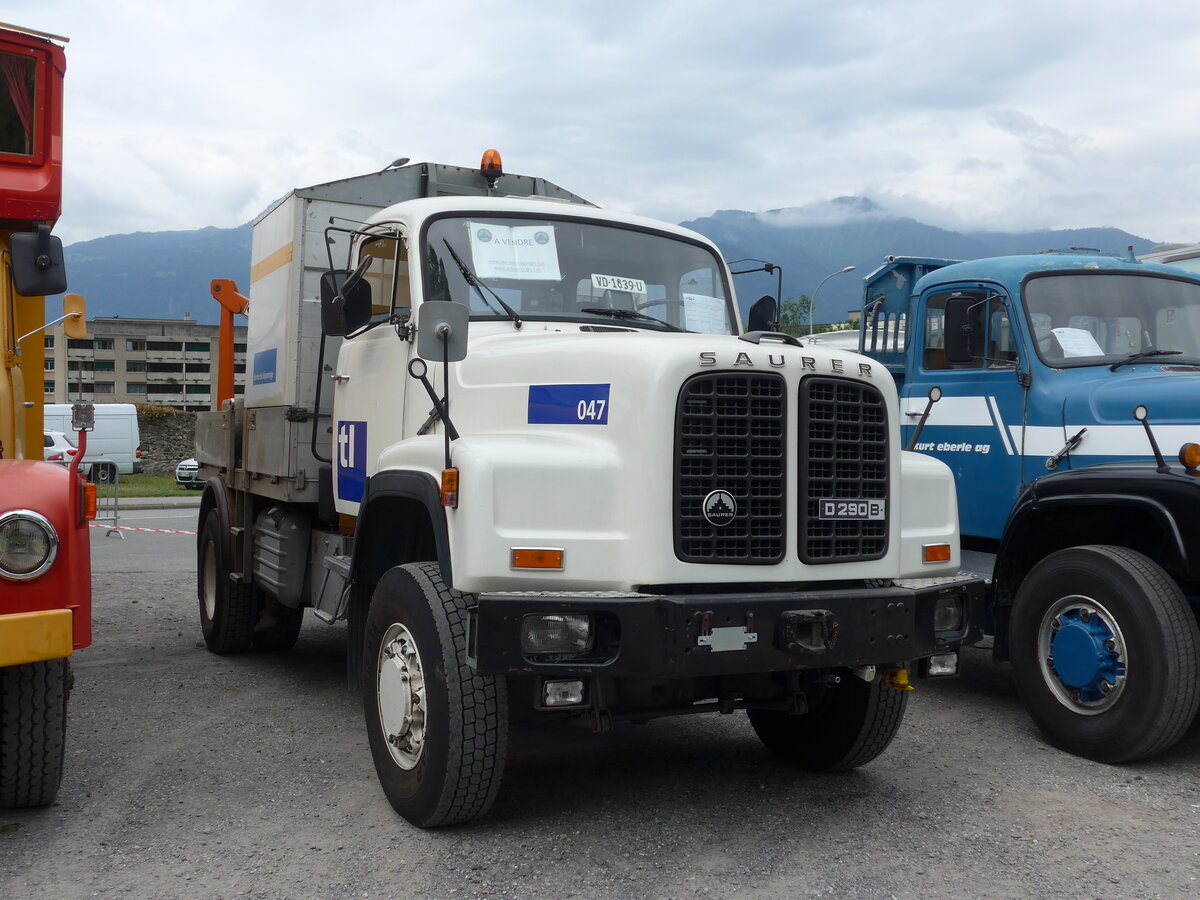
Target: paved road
{"type": "Point", "coordinates": [191, 775]}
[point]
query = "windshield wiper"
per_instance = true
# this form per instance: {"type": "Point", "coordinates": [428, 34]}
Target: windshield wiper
{"type": "Point", "coordinates": [473, 280]}
{"type": "Point", "coordinates": [1134, 357]}
{"type": "Point", "coordinates": [630, 314]}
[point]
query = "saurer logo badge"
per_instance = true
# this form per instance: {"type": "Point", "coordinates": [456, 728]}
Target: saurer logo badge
{"type": "Point", "coordinates": [719, 508]}
{"type": "Point", "coordinates": [779, 361]}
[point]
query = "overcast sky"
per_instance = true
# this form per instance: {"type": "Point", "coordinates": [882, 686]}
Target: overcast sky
{"type": "Point", "coordinates": [984, 116]}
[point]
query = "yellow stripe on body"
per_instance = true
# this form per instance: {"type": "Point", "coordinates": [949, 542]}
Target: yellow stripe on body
{"type": "Point", "coordinates": [269, 264]}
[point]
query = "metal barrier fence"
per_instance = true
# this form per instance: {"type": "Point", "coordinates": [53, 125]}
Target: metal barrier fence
{"type": "Point", "coordinates": [107, 478]}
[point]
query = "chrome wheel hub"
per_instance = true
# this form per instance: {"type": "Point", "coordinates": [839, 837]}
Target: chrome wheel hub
{"type": "Point", "coordinates": [401, 692]}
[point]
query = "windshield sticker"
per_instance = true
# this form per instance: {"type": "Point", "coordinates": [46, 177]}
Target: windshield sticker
{"type": "Point", "coordinates": [526, 252]}
{"type": "Point", "coordinates": [1077, 342]}
{"type": "Point", "coordinates": [568, 404]}
{"type": "Point", "coordinates": [617, 283]}
{"type": "Point", "coordinates": [705, 314]}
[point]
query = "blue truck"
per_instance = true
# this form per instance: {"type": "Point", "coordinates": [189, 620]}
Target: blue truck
{"type": "Point", "coordinates": [1061, 375]}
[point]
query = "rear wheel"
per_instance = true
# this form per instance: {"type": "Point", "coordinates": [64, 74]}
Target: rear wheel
{"type": "Point", "coordinates": [33, 727]}
{"type": "Point", "coordinates": [847, 726]}
{"type": "Point", "coordinates": [227, 610]}
{"type": "Point", "coordinates": [1105, 653]}
{"type": "Point", "coordinates": [438, 730]}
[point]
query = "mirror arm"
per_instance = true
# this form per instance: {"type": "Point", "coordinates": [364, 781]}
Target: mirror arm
{"type": "Point", "coordinates": [73, 315]}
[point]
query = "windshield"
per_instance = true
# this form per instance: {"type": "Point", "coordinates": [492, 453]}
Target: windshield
{"type": "Point", "coordinates": [1081, 319]}
{"type": "Point", "coordinates": [575, 270]}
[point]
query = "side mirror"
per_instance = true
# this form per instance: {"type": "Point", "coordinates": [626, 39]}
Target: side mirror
{"type": "Point", "coordinates": [959, 331]}
{"type": "Point", "coordinates": [345, 304]}
{"type": "Point", "coordinates": [38, 268]}
{"type": "Point", "coordinates": [442, 330]}
{"type": "Point", "coordinates": [763, 314]}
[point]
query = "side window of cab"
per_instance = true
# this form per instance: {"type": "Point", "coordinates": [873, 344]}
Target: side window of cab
{"type": "Point", "coordinates": [992, 342]}
{"type": "Point", "coordinates": [388, 276]}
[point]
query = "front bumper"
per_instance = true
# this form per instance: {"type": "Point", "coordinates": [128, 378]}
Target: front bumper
{"type": "Point", "coordinates": [35, 636]}
{"type": "Point", "coordinates": [694, 635]}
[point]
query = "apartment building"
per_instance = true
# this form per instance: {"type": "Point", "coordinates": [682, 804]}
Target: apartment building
{"type": "Point", "coordinates": [164, 362]}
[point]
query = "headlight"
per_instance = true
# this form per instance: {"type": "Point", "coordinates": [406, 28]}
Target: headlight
{"type": "Point", "coordinates": [948, 613]}
{"type": "Point", "coordinates": [556, 633]}
{"type": "Point", "coordinates": [28, 544]}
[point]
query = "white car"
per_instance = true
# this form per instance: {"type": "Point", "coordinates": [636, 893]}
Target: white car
{"type": "Point", "coordinates": [58, 447]}
{"type": "Point", "coordinates": [187, 473]}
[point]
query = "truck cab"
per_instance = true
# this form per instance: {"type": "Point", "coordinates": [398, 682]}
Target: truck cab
{"type": "Point", "coordinates": [1042, 361]}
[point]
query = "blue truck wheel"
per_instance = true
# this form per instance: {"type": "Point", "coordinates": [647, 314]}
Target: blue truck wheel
{"type": "Point", "coordinates": [1106, 653]}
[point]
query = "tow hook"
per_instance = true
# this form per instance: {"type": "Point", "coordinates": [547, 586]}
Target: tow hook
{"type": "Point", "coordinates": [897, 680]}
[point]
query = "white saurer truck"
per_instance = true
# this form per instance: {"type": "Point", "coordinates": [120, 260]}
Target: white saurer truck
{"type": "Point", "coordinates": [604, 505]}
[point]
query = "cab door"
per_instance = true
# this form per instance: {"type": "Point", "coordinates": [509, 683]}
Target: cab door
{"type": "Point", "coordinates": [976, 427]}
{"type": "Point", "coordinates": [370, 379]}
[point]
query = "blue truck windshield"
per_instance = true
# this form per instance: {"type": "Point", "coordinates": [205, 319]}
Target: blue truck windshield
{"type": "Point", "coordinates": [1083, 319]}
{"type": "Point", "coordinates": [544, 268]}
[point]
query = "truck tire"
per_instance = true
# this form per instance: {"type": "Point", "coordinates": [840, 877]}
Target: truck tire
{"type": "Point", "coordinates": [1105, 653]}
{"type": "Point", "coordinates": [228, 611]}
{"type": "Point", "coordinates": [438, 731]}
{"type": "Point", "coordinates": [33, 727]}
{"type": "Point", "coordinates": [850, 724]}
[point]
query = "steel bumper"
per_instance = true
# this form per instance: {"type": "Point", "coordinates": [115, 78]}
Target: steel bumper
{"type": "Point", "coordinates": [694, 635]}
{"type": "Point", "coordinates": [35, 636]}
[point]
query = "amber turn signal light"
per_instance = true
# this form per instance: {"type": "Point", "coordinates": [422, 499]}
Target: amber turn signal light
{"type": "Point", "coordinates": [89, 501]}
{"type": "Point", "coordinates": [450, 488]}
{"type": "Point", "coordinates": [537, 558]}
{"type": "Point", "coordinates": [936, 553]}
{"type": "Point", "coordinates": [1189, 455]}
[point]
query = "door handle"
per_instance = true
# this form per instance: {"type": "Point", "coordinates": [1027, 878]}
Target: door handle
{"type": "Point", "coordinates": [340, 379]}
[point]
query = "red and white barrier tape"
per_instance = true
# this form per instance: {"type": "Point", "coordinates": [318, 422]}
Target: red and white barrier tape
{"type": "Point", "coordinates": [131, 528]}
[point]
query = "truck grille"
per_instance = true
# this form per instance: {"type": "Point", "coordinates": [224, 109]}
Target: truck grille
{"type": "Point", "coordinates": [731, 435]}
{"type": "Point", "coordinates": [843, 437]}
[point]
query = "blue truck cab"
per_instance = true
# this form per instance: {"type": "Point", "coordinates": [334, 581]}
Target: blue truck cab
{"type": "Point", "coordinates": [1041, 362]}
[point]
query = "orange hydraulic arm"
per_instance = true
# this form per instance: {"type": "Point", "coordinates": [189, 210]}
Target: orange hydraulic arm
{"type": "Point", "coordinates": [225, 292]}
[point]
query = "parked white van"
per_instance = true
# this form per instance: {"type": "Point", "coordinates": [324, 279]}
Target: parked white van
{"type": "Point", "coordinates": [115, 439]}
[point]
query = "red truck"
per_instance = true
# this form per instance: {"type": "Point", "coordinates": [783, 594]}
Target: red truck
{"type": "Point", "coordinates": [45, 564]}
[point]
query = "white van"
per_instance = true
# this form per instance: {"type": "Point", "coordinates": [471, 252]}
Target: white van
{"type": "Point", "coordinates": [115, 439]}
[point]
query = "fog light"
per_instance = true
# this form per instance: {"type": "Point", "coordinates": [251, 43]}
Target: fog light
{"type": "Point", "coordinates": [556, 633]}
{"type": "Point", "coordinates": [943, 664]}
{"type": "Point", "coordinates": [562, 693]}
{"type": "Point", "coordinates": [948, 613]}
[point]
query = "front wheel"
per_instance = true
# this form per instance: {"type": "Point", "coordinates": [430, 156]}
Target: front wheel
{"type": "Point", "coordinates": [847, 725]}
{"type": "Point", "coordinates": [33, 727]}
{"type": "Point", "coordinates": [438, 730]}
{"type": "Point", "coordinates": [1105, 653]}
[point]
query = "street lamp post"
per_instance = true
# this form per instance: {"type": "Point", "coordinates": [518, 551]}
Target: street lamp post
{"type": "Point", "coordinates": [812, 304]}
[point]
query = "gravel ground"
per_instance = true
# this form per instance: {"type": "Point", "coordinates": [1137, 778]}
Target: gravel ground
{"type": "Point", "coordinates": [191, 775]}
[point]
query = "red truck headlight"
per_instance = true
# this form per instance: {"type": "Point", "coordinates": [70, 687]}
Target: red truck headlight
{"type": "Point", "coordinates": [28, 545]}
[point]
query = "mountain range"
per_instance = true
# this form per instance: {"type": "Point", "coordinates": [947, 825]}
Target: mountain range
{"type": "Point", "coordinates": [166, 274]}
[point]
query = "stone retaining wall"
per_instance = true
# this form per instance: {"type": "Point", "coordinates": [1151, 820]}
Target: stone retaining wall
{"type": "Point", "coordinates": [167, 438]}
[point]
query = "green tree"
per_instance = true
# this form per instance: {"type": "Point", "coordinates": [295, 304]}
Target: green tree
{"type": "Point", "coordinates": [795, 315]}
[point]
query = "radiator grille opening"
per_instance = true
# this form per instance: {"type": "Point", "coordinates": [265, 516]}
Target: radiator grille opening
{"type": "Point", "coordinates": [731, 435]}
{"type": "Point", "coordinates": [842, 434]}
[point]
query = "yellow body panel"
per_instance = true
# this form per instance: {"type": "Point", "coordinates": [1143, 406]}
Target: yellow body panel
{"type": "Point", "coordinates": [35, 636]}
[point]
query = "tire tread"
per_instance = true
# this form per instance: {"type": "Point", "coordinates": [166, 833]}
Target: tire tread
{"type": "Point", "coordinates": [33, 723]}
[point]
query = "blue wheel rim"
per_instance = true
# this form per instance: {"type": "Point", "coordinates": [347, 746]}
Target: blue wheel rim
{"type": "Point", "coordinates": [1082, 654]}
